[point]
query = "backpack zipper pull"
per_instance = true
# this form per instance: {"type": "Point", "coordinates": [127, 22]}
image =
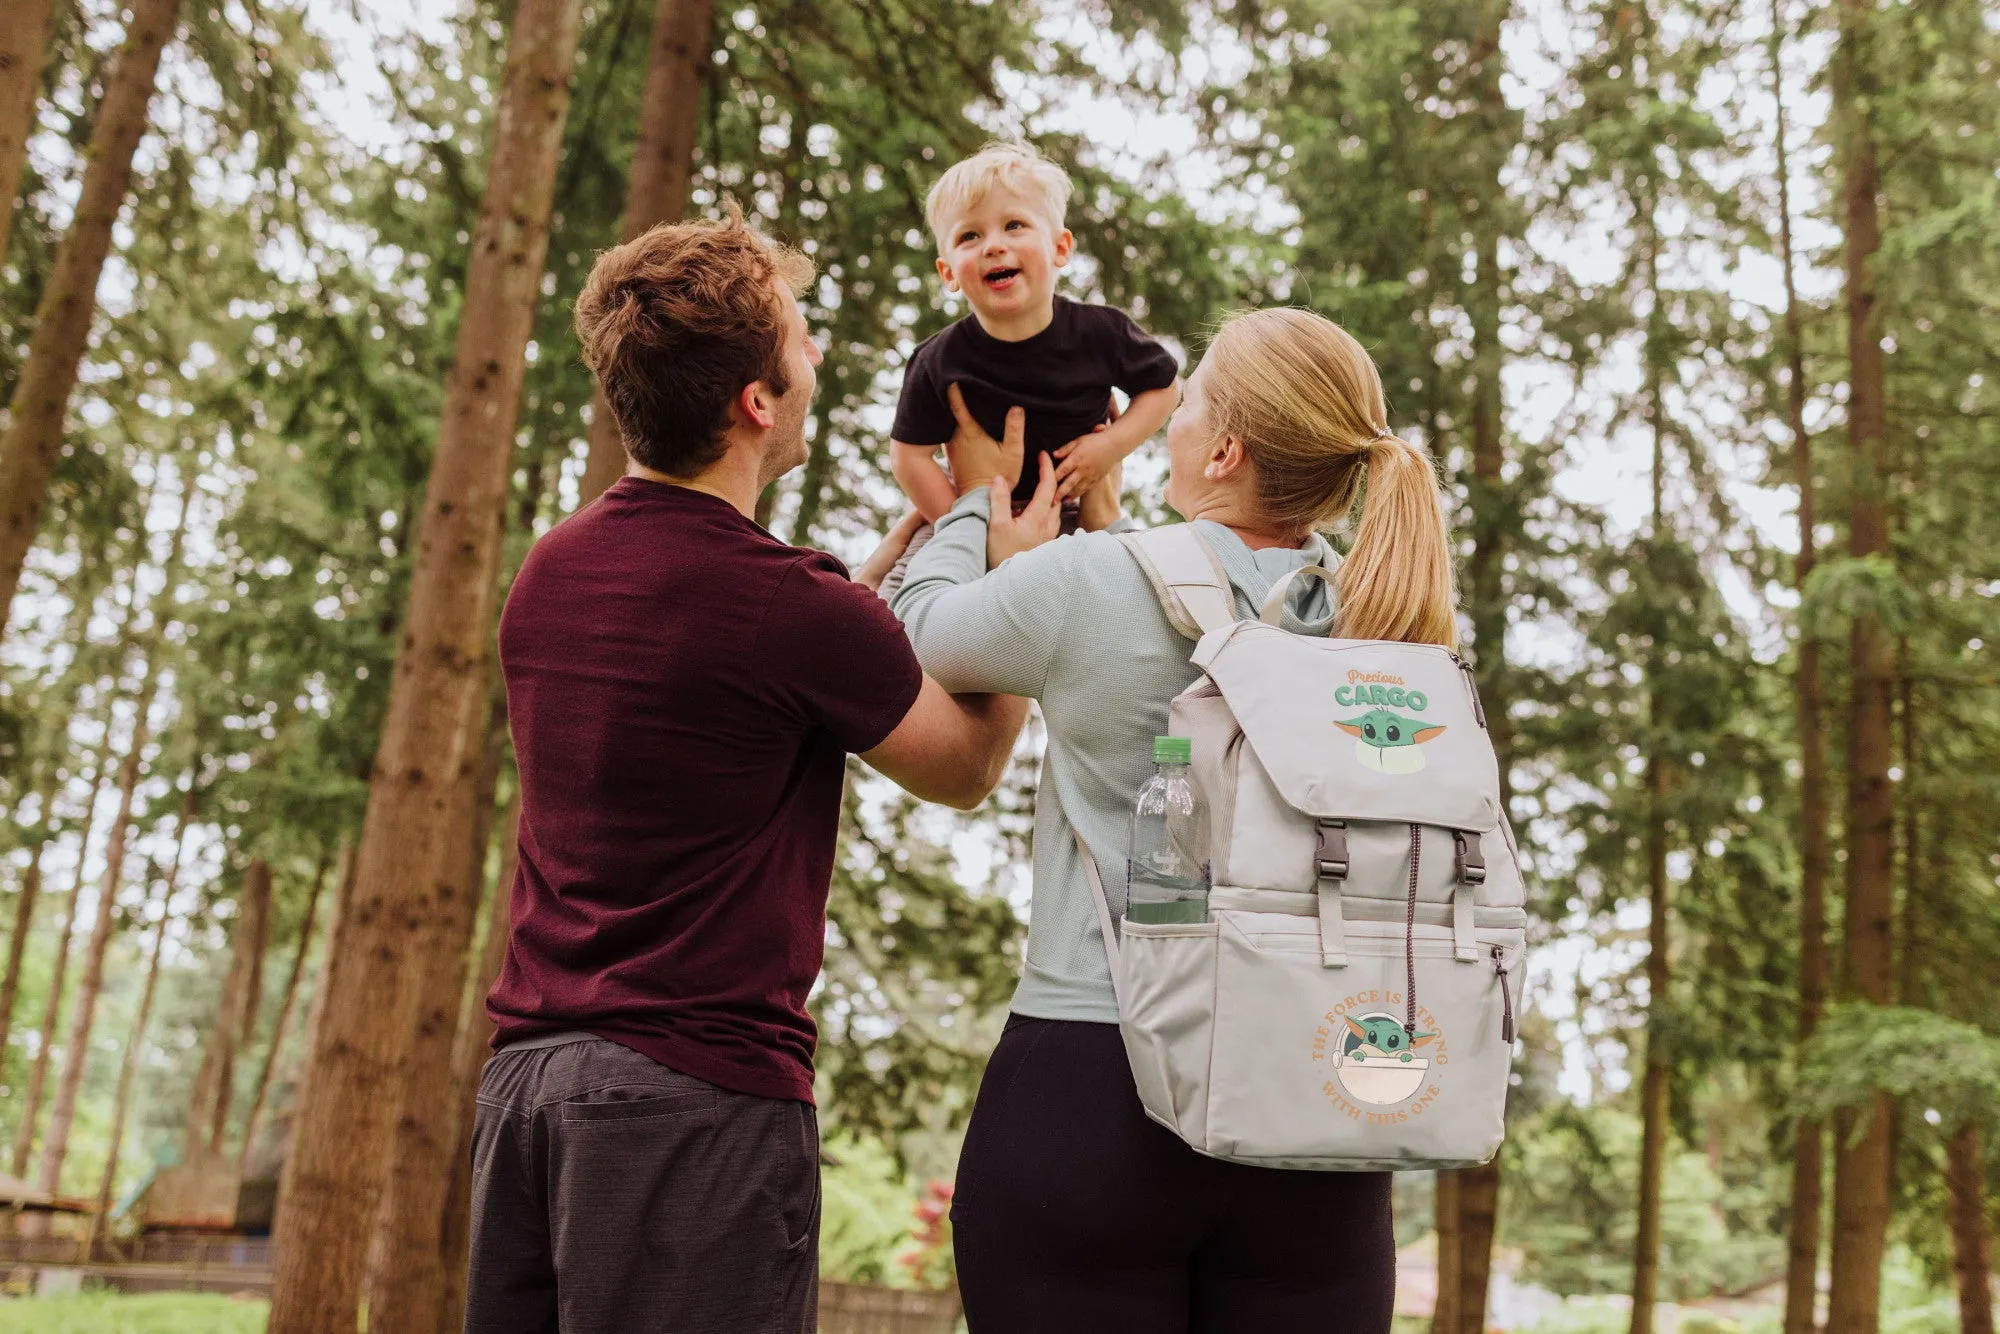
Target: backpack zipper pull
{"type": "Point", "coordinates": [1472, 688]}
{"type": "Point", "coordinates": [1506, 997]}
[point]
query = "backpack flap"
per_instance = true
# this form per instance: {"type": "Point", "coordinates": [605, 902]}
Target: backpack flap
{"type": "Point", "coordinates": [1352, 729]}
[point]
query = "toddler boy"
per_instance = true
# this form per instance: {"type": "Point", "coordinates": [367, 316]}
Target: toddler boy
{"type": "Point", "coordinates": [998, 221]}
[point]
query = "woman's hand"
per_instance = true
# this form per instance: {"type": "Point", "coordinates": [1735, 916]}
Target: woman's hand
{"type": "Point", "coordinates": [876, 568]}
{"type": "Point", "coordinates": [976, 458]}
{"type": "Point", "coordinates": [1008, 533]}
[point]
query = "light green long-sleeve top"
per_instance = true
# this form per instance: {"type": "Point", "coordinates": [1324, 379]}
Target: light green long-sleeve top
{"type": "Point", "coordinates": [1075, 624]}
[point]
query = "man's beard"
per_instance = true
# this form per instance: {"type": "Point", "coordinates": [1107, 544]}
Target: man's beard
{"type": "Point", "coordinates": [786, 451]}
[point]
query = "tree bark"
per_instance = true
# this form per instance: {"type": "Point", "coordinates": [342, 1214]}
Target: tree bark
{"type": "Point", "coordinates": [121, 1102]}
{"type": "Point", "coordinates": [1478, 1220]}
{"type": "Point", "coordinates": [343, 894]}
{"type": "Point", "coordinates": [30, 447]}
{"type": "Point", "coordinates": [657, 189]}
{"type": "Point", "coordinates": [262, 1088]}
{"type": "Point", "coordinates": [25, 26]}
{"type": "Point", "coordinates": [1861, 1139]}
{"type": "Point", "coordinates": [1444, 1311]}
{"type": "Point", "coordinates": [17, 945]}
{"type": "Point", "coordinates": [76, 1050]}
{"type": "Point", "coordinates": [1971, 1244]}
{"type": "Point", "coordinates": [407, 1287]}
{"type": "Point", "coordinates": [235, 1016]}
{"type": "Point", "coordinates": [339, 1148]}
{"type": "Point", "coordinates": [76, 1055]}
{"type": "Point", "coordinates": [38, 1073]}
{"type": "Point", "coordinates": [468, 1059]}
{"type": "Point", "coordinates": [1655, 1088]}
{"type": "Point", "coordinates": [1808, 1152]}
{"type": "Point", "coordinates": [1475, 1198]}
{"type": "Point", "coordinates": [31, 1105]}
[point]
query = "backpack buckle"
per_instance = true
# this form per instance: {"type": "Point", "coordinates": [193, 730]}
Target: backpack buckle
{"type": "Point", "coordinates": [1470, 862]}
{"type": "Point", "coordinates": [1332, 851]}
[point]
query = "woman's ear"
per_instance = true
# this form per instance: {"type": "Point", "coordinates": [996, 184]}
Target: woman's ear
{"type": "Point", "coordinates": [1225, 457]}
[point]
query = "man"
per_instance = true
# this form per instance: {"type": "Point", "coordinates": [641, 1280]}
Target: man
{"type": "Point", "coordinates": [684, 690]}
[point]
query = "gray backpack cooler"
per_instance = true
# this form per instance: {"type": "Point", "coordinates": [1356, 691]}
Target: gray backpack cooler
{"type": "Point", "coordinates": [1349, 1005]}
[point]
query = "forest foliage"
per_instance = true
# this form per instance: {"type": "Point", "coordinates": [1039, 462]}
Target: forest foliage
{"type": "Point", "coordinates": [1556, 224]}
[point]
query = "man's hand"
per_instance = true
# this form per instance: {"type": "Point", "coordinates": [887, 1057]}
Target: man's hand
{"type": "Point", "coordinates": [1008, 533]}
{"type": "Point", "coordinates": [875, 569]}
{"type": "Point", "coordinates": [976, 458]}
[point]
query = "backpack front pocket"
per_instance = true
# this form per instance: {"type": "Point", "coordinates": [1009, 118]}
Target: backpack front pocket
{"type": "Point", "coordinates": [1314, 1064]}
{"type": "Point", "coordinates": [1168, 1007]}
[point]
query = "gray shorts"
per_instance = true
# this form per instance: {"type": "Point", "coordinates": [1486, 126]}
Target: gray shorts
{"type": "Point", "coordinates": [611, 1195]}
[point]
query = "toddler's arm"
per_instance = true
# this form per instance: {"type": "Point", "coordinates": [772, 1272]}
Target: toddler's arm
{"type": "Point", "coordinates": [1086, 459]}
{"type": "Point", "coordinates": [922, 478]}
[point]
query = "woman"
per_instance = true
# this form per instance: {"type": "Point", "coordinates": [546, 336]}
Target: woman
{"type": "Point", "coordinates": [1073, 1210]}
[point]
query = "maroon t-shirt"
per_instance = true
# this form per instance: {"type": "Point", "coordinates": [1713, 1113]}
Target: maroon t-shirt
{"type": "Point", "coordinates": [684, 690]}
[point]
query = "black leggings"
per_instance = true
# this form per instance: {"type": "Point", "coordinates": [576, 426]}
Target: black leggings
{"type": "Point", "coordinates": [1075, 1212]}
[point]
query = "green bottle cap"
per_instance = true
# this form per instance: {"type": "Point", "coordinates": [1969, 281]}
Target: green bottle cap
{"type": "Point", "coordinates": [1172, 750]}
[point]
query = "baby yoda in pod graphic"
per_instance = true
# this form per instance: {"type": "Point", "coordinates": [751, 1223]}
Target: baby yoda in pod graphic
{"type": "Point", "coordinates": [1383, 1039]}
{"type": "Point", "coordinates": [1386, 742]}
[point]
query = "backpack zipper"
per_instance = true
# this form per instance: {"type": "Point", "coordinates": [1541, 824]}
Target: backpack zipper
{"type": "Point", "coordinates": [1506, 997]}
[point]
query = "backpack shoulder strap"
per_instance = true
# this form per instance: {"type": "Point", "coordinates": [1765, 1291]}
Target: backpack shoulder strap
{"type": "Point", "coordinates": [1193, 590]}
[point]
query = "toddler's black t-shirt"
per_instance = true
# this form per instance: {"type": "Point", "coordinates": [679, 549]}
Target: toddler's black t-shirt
{"type": "Point", "coordinates": [1062, 377]}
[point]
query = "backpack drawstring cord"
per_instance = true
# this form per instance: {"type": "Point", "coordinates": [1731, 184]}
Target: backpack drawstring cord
{"type": "Point", "coordinates": [1410, 935]}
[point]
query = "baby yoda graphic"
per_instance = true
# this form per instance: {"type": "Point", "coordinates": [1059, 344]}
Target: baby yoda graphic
{"type": "Point", "coordinates": [1383, 1039]}
{"type": "Point", "coordinates": [1386, 741]}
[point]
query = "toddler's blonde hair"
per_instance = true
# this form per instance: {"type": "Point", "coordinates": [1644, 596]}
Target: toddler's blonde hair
{"type": "Point", "coordinates": [1001, 163]}
{"type": "Point", "coordinates": [1306, 401]}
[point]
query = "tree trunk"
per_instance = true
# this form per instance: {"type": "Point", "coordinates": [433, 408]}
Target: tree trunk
{"type": "Point", "coordinates": [407, 1287]}
{"type": "Point", "coordinates": [17, 945]}
{"type": "Point", "coordinates": [235, 1016]}
{"type": "Point", "coordinates": [1808, 1151]}
{"type": "Point", "coordinates": [657, 189]}
{"type": "Point", "coordinates": [262, 1088]}
{"type": "Point", "coordinates": [77, 1054]}
{"type": "Point", "coordinates": [468, 1059]}
{"type": "Point", "coordinates": [25, 26]}
{"type": "Point", "coordinates": [339, 1149]}
{"type": "Point", "coordinates": [62, 321]}
{"type": "Point", "coordinates": [76, 1050]}
{"type": "Point", "coordinates": [1861, 1141]}
{"type": "Point", "coordinates": [1478, 1220]}
{"type": "Point", "coordinates": [121, 1102]}
{"type": "Point", "coordinates": [1476, 1197]}
{"type": "Point", "coordinates": [1444, 1311]}
{"type": "Point", "coordinates": [38, 1073]}
{"type": "Point", "coordinates": [1971, 1245]}
{"type": "Point", "coordinates": [343, 895]}
{"type": "Point", "coordinates": [24, 918]}
{"type": "Point", "coordinates": [1654, 1091]}
{"type": "Point", "coordinates": [1655, 1086]}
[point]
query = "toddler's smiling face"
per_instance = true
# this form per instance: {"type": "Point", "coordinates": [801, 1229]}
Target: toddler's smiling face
{"type": "Point", "coordinates": [1002, 251]}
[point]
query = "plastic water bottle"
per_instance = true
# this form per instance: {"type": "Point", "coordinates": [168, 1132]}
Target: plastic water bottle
{"type": "Point", "coordinates": [1166, 873]}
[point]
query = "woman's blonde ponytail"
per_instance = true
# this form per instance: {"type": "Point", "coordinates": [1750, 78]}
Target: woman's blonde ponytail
{"type": "Point", "coordinates": [1396, 582]}
{"type": "Point", "coordinates": [1306, 401]}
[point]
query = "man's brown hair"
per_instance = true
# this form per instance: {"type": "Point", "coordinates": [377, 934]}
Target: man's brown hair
{"type": "Point", "coordinates": [674, 323]}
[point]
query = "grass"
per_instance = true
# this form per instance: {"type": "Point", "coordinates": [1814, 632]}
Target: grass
{"type": "Point", "coordinates": [147, 1313]}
